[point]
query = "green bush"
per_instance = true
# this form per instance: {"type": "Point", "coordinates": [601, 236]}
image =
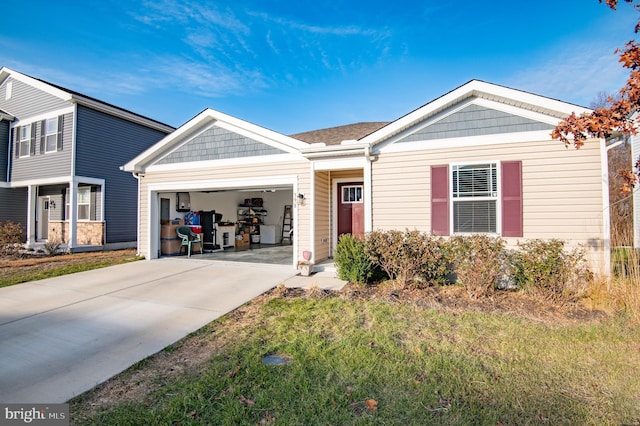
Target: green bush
{"type": "Point", "coordinates": [408, 257]}
{"type": "Point", "coordinates": [545, 268]}
{"type": "Point", "coordinates": [352, 261]}
{"type": "Point", "coordinates": [11, 238]}
{"type": "Point", "coordinates": [479, 260]}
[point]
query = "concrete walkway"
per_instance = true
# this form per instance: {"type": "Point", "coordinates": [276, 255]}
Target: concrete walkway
{"type": "Point", "coordinates": [61, 336]}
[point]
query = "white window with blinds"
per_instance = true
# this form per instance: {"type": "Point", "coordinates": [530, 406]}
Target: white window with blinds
{"type": "Point", "coordinates": [474, 198]}
{"type": "Point", "coordinates": [24, 136]}
{"type": "Point", "coordinates": [84, 204]}
{"type": "Point", "coordinates": [51, 134]}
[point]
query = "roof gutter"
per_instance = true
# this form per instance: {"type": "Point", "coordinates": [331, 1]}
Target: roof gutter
{"type": "Point", "coordinates": [117, 112]}
{"type": "Point", "coordinates": [358, 149]}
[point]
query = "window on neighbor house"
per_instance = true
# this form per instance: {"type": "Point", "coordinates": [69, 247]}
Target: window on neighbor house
{"type": "Point", "coordinates": [475, 198]}
{"type": "Point", "coordinates": [352, 194]}
{"type": "Point", "coordinates": [84, 204]}
{"type": "Point", "coordinates": [24, 145]}
{"type": "Point", "coordinates": [51, 134]}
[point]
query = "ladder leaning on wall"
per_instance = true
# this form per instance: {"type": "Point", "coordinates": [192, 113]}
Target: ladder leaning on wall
{"type": "Point", "coordinates": [287, 224]}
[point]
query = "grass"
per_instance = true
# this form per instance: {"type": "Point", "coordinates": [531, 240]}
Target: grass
{"type": "Point", "coordinates": [31, 268]}
{"type": "Point", "coordinates": [373, 362]}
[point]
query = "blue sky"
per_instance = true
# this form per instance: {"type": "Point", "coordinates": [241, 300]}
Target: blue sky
{"type": "Point", "coordinates": [294, 66]}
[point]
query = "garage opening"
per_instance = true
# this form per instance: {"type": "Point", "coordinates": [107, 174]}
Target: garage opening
{"type": "Point", "coordinates": [245, 225]}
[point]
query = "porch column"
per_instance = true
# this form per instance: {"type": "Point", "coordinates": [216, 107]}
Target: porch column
{"type": "Point", "coordinates": [32, 193]}
{"type": "Point", "coordinates": [73, 214]}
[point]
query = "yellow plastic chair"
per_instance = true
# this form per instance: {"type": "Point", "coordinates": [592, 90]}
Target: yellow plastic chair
{"type": "Point", "coordinates": [188, 238]}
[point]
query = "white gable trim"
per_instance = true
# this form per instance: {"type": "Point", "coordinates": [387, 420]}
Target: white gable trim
{"type": "Point", "coordinates": [40, 85]}
{"type": "Point", "coordinates": [472, 140]}
{"type": "Point", "coordinates": [204, 121]}
{"type": "Point", "coordinates": [83, 100]}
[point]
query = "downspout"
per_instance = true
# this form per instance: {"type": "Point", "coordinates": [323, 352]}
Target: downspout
{"type": "Point", "coordinates": [330, 216]}
{"type": "Point", "coordinates": [368, 190]}
{"type": "Point", "coordinates": [604, 160]}
{"type": "Point", "coordinates": [312, 214]}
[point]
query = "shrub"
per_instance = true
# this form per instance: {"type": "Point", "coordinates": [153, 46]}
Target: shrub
{"type": "Point", "coordinates": [352, 261]}
{"type": "Point", "coordinates": [479, 260]}
{"type": "Point", "coordinates": [409, 256]}
{"type": "Point", "coordinates": [11, 238]}
{"type": "Point", "coordinates": [545, 268]}
{"type": "Point", "coordinates": [52, 247]}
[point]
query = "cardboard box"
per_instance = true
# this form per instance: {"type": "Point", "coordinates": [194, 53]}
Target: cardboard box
{"type": "Point", "coordinates": [170, 246]}
{"type": "Point", "coordinates": [244, 242]}
{"type": "Point", "coordinates": [169, 230]}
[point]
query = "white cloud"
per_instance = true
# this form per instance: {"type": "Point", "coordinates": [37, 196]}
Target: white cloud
{"type": "Point", "coordinates": [574, 75]}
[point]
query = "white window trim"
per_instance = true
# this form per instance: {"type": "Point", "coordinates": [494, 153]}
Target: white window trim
{"type": "Point", "coordinates": [355, 187]}
{"type": "Point", "coordinates": [47, 134]}
{"type": "Point", "coordinates": [78, 204]}
{"type": "Point", "coordinates": [497, 198]}
{"type": "Point", "coordinates": [88, 203]}
{"type": "Point", "coordinates": [27, 140]}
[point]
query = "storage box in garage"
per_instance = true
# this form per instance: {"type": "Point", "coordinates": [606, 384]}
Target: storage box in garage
{"type": "Point", "coordinates": [170, 246]}
{"type": "Point", "coordinates": [169, 230]}
{"type": "Point", "coordinates": [244, 242]}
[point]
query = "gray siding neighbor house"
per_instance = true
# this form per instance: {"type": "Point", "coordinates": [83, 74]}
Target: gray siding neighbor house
{"type": "Point", "coordinates": [60, 158]}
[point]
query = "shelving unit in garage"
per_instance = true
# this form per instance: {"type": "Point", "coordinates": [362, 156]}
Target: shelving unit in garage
{"type": "Point", "coordinates": [250, 217]}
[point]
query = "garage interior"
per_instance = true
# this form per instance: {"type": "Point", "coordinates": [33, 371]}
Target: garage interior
{"type": "Point", "coordinates": [247, 225]}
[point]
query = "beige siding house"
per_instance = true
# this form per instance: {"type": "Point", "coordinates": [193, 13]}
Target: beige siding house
{"type": "Point", "coordinates": [479, 159]}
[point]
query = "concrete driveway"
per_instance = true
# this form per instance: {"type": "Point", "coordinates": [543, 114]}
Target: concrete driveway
{"type": "Point", "coordinates": [61, 336]}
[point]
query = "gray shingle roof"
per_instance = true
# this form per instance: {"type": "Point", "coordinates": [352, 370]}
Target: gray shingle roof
{"type": "Point", "coordinates": [335, 135]}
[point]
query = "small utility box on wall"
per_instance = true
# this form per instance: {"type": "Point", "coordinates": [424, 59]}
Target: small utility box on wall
{"type": "Point", "coordinates": [183, 202]}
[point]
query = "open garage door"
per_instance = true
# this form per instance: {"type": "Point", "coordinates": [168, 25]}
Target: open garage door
{"type": "Point", "coordinates": [235, 223]}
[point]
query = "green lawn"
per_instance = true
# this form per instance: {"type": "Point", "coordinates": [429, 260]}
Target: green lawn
{"type": "Point", "coordinates": [16, 271]}
{"type": "Point", "coordinates": [372, 362]}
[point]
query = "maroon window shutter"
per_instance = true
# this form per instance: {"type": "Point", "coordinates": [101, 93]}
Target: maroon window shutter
{"type": "Point", "coordinates": [512, 198]}
{"type": "Point", "coordinates": [440, 200]}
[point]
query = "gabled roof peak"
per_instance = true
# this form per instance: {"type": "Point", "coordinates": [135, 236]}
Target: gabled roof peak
{"type": "Point", "coordinates": [88, 101]}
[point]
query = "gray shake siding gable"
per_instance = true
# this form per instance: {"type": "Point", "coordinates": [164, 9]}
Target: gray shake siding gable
{"type": "Point", "coordinates": [103, 143]}
{"type": "Point", "coordinates": [217, 143]}
{"type": "Point", "coordinates": [475, 120]}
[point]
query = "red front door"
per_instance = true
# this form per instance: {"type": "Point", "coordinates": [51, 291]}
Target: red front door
{"type": "Point", "coordinates": [351, 209]}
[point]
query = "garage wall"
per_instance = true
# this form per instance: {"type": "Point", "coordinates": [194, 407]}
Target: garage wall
{"type": "Point", "coordinates": [211, 177]}
{"type": "Point", "coordinates": [226, 203]}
